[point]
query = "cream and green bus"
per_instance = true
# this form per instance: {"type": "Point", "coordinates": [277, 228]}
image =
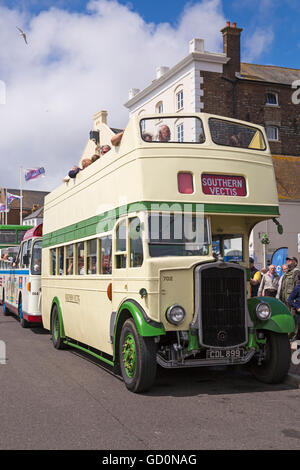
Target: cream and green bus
{"type": "Point", "coordinates": [145, 254]}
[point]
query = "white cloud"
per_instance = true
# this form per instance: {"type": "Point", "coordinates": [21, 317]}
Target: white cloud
{"type": "Point", "coordinates": [260, 40]}
{"type": "Point", "coordinates": [76, 64]}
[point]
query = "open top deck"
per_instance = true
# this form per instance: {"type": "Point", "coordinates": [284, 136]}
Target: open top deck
{"type": "Point", "coordinates": [200, 166]}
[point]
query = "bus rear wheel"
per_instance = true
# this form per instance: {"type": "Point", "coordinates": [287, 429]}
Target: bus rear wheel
{"type": "Point", "coordinates": [57, 341]}
{"type": "Point", "coordinates": [137, 358]}
{"type": "Point", "coordinates": [276, 361]}
{"type": "Point", "coordinates": [23, 322]}
{"type": "Point", "coordinates": [5, 309]}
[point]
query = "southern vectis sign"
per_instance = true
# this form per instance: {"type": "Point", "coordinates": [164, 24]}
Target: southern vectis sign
{"type": "Point", "coordinates": [223, 185]}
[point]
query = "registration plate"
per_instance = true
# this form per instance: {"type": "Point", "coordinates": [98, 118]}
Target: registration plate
{"type": "Point", "coordinates": [236, 353]}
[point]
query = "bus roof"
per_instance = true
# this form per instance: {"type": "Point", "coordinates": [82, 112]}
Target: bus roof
{"type": "Point", "coordinates": [34, 232]}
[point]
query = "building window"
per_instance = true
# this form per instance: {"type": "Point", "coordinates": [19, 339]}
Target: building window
{"type": "Point", "coordinates": [179, 100]}
{"type": "Point", "coordinates": [159, 108]}
{"type": "Point", "coordinates": [180, 135]}
{"type": "Point", "coordinates": [272, 99]}
{"type": "Point", "coordinates": [272, 133]}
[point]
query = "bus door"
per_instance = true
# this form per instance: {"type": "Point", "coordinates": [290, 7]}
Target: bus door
{"type": "Point", "coordinates": [97, 307]}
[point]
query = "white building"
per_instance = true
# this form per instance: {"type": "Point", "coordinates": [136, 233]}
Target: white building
{"type": "Point", "coordinates": [178, 88]}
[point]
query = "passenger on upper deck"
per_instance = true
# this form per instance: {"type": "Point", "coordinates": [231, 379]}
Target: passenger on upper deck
{"type": "Point", "coordinates": [164, 133]}
{"type": "Point", "coordinates": [116, 139]}
{"type": "Point", "coordinates": [147, 137]}
{"type": "Point", "coordinates": [104, 149]}
{"type": "Point", "coordinates": [76, 169]}
{"type": "Point", "coordinates": [95, 157]}
{"type": "Point", "coordinates": [236, 139]}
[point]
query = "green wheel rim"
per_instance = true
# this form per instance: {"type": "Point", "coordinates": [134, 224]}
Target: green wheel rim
{"type": "Point", "coordinates": [129, 355]}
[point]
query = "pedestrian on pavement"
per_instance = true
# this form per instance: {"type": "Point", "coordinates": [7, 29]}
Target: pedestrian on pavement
{"type": "Point", "coordinates": [294, 302]}
{"type": "Point", "coordinates": [255, 278]}
{"type": "Point", "coordinates": [289, 279]}
{"type": "Point", "coordinates": [284, 269]}
{"type": "Point", "coordinates": [269, 283]}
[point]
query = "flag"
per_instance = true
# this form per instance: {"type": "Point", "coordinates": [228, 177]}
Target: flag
{"type": "Point", "coordinates": [3, 208]}
{"type": "Point", "coordinates": [11, 197]}
{"type": "Point", "coordinates": [32, 173]}
{"type": "Point", "coordinates": [279, 258]}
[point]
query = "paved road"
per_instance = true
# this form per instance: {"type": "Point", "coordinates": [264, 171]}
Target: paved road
{"type": "Point", "coordinates": [61, 400]}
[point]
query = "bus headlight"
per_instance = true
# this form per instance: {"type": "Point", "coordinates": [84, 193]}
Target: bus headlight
{"type": "Point", "coordinates": [175, 314]}
{"type": "Point", "coordinates": [263, 311]}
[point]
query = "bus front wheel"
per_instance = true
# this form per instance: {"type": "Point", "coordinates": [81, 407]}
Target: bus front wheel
{"type": "Point", "coordinates": [137, 356]}
{"type": "Point", "coordinates": [276, 360]}
{"type": "Point", "coordinates": [23, 322]}
{"type": "Point", "coordinates": [57, 341]}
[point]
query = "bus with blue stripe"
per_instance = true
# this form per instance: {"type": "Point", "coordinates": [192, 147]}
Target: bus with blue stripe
{"type": "Point", "coordinates": [21, 280]}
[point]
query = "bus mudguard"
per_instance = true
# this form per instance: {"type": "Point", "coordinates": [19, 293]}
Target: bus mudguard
{"type": "Point", "coordinates": [145, 326]}
{"type": "Point", "coordinates": [281, 320]}
{"type": "Point", "coordinates": [61, 323]}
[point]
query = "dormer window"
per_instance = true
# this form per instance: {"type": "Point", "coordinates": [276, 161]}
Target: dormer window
{"type": "Point", "coordinates": [271, 99]}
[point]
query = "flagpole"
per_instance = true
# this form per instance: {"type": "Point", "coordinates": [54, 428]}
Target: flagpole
{"type": "Point", "coordinates": [5, 206]}
{"type": "Point", "coordinates": [21, 197]}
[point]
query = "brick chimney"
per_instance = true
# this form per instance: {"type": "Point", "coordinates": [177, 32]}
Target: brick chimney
{"type": "Point", "coordinates": [232, 49]}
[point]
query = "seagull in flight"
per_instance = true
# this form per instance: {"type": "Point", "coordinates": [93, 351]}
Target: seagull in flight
{"type": "Point", "coordinates": [22, 34]}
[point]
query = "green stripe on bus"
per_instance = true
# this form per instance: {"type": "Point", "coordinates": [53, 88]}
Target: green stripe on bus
{"type": "Point", "coordinates": [105, 222]}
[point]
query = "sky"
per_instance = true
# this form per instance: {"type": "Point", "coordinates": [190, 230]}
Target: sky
{"type": "Point", "coordinates": [84, 56]}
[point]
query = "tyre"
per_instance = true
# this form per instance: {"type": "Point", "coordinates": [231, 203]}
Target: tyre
{"type": "Point", "coordinates": [277, 359]}
{"type": "Point", "coordinates": [137, 355]}
{"type": "Point", "coordinates": [293, 335]}
{"type": "Point", "coordinates": [57, 341]}
{"type": "Point", "coordinates": [23, 322]}
{"type": "Point", "coordinates": [5, 309]}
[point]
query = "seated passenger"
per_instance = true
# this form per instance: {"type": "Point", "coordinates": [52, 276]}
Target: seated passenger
{"type": "Point", "coordinates": [95, 157]}
{"type": "Point", "coordinates": [164, 133]}
{"type": "Point", "coordinates": [236, 140]}
{"type": "Point", "coordinates": [76, 169]}
{"type": "Point", "coordinates": [201, 138]}
{"type": "Point", "coordinates": [104, 149]}
{"type": "Point", "coordinates": [116, 139]}
{"type": "Point", "coordinates": [147, 137]}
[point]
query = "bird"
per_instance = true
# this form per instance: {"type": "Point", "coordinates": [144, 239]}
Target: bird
{"type": "Point", "coordinates": [22, 34]}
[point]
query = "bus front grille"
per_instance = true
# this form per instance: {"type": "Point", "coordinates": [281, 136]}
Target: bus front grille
{"type": "Point", "coordinates": [222, 306]}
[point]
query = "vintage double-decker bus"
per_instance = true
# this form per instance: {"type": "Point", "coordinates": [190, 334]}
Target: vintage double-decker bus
{"type": "Point", "coordinates": [145, 254]}
{"type": "Point", "coordinates": [11, 235]}
{"type": "Point", "coordinates": [21, 280]}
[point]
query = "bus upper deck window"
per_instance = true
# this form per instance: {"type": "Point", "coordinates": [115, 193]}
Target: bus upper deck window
{"type": "Point", "coordinates": [185, 183]}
